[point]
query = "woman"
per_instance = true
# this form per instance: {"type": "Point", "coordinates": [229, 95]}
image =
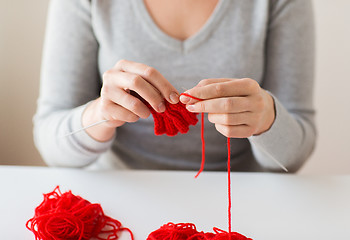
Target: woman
{"type": "Point", "coordinates": [251, 62]}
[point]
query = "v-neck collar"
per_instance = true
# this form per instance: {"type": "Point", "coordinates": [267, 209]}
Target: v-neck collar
{"type": "Point", "coordinates": [186, 45]}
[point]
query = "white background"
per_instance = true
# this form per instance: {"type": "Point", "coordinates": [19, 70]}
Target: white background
{"type": "Point", "coordinates": [265, 206]}
{"type": "Point", "coordinates": [22, 26]}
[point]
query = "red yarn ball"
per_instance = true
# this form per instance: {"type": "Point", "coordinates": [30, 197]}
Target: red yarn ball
{"type": "Point", "coordinates": [171, 231]}
{"type": "Point", "coordinates": [188, 231]}
{"type": "Point", "coordinates": [223, 235]}
{"type": "Point", "coordinates": [66, 216]}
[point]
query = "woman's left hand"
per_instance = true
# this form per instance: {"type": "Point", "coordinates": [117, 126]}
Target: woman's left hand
{"type": "Point", "coordinates": [239, 108]}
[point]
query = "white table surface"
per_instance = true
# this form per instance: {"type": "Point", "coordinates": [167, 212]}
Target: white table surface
{"type": "Point", "coordinates": [265, 206]}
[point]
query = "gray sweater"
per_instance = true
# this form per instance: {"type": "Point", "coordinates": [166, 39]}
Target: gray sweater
{"type": "Point", "coordinates": [270, 41]}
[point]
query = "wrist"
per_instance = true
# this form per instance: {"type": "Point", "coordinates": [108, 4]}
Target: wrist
{"type": "Point", "coordinates": [270, 113]}
{"type": "Point", "coordinates": [102, 132]}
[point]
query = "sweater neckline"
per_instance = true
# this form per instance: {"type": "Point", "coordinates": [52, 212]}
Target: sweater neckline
{"type": "Point", "coordinates": [188, 44]}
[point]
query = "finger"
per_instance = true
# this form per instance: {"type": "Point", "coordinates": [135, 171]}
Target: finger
{"type": "Point", "coordinates": [222, 105]}
{"type": "Point", "coordinates": [188, 100]}
{"type": "Point", "coordinates": [151, 75]}
{"type": "Point", "coordinates": [240, 131]}
{"type": "Point", "coordinates": [232, 119]}
{"type": "Point", "coordinates": [125, 100]}
{"type": "Point", "coordinates": [115, 112]}
{"type": "Point", "coordinates": [143, 88]}
{"type": "Point", "coordinates": [208, 81]}
{"type": "Point", "coordinates": [233, 88]}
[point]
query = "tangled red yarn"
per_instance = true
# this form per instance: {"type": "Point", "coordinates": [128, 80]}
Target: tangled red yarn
{"type": "Point", "coordinates": [188, 231]}
{"type": "Point", "coordinates": [66, 216]}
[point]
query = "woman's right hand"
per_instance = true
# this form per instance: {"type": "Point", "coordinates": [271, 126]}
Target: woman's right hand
{"type": "Point", "coordinates": [118, 106]}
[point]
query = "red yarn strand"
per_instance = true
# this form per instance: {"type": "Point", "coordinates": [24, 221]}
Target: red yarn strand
{"type": "Point", "coordinates": [228, 162]}
{"type": "Point", "coordinates": [203, 146]}
{"type": "Point", "coordinates": [202, 135]}
{"type": "Point", "coordinates": [188, 95]}
{"type": "Point", "coordinates": [229, 183]}
{"type": "Point", "coordinates": [229, 208]}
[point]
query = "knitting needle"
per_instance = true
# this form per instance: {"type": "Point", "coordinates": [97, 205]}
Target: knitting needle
{"type": "Point", "coordinates": [273, 159]}
{"type": "Point", "coordinates": [89, 126]}
{"type": "Point", "coordinates": [105, 120]}
{"type": "Point", "coordinates": [278, 163]}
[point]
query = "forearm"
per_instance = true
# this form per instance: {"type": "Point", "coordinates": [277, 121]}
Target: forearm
{"type": "Point", "coordinates": [289, 76]}
{"type": "Point", "coordinates": [290, 140]}
{"type": "Point", "coordinates": [101, 132]}
{"type": "Point", "coordinates": [69, 79]}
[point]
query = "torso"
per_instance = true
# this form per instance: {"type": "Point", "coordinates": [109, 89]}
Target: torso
{"type": "Point", "coordinates": [227, 40]}
{"type": "Point", "coordinates": [180, 19]}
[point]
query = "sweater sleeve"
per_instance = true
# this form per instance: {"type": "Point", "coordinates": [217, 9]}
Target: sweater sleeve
{"type": "Point", "coordinates": [69, 80]}
{"type": "Point", "coordinates": [289, 74]}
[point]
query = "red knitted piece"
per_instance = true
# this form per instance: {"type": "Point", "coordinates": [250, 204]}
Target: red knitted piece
{"type": "Point", "coordinates": [188, 231]}
{"type": "Point", "coordinates": [176, 118]}
{"type": "Point", "coordinates": [66, 216]}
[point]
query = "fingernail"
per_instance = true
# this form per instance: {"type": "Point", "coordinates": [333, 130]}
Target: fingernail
{"type": "Point", "coordinates": [190, 108]}
{"type": "Point", "coordinates": [174, 97]}
{"type": "Point", "coordinates": [161, 107]}
{"type": "Point", "coordinates": [184, 99]}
